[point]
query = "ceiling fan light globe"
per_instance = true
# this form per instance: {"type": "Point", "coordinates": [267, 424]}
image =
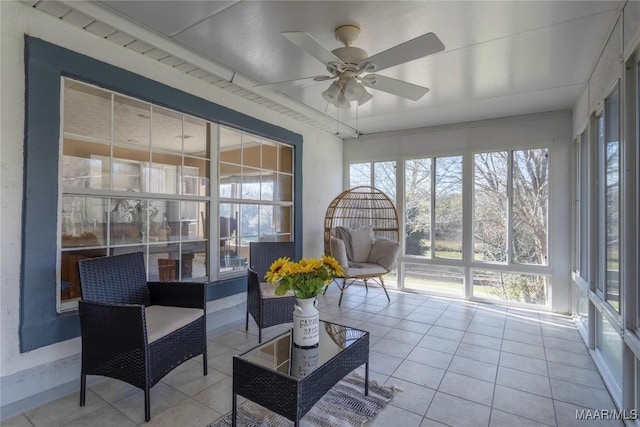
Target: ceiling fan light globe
{"type": "Point", "coordinates": [343, 102]}
{"type": "Point", "coordinates": [365, 97]}
{"type": "Point", "coordinates": [332, 93]}
{"type": "Point", "coordinates": [352, 90]}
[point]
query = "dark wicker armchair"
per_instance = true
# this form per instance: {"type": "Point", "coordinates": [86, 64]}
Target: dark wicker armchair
{"type": "Point", "coordinates": [263, 305]}
{"type": "Point", "coordinates": [137, 331]}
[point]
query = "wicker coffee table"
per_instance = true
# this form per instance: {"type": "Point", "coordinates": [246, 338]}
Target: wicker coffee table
{"type": "Point", "coordinates": [289, 380]}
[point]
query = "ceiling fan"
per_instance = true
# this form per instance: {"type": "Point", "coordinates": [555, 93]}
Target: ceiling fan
{"type": "Point", "coordinates": [347, 64]}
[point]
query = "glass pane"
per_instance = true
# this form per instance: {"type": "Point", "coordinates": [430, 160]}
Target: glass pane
{"type": "Point", "coordinates": [230, 251]}
{"type": "Point", "coordinates": [582, 308]}
{"type": "Point", "coordinates": [525, 288]}
{"type": "Point", "coordinates": [166, 130]}
{"type": "Point", "coordinates": [267, 223]}
{"type": "Point", "coordinates": [490, 207]}
{"type": "Point", "coordinates": [251, 184]}
{"type": "Point", "coordinates": [193, 262]}
{"type": "Point", "coordinates": [87, 110]}
{"type": "Point", "coordinates": [85, 165]}
{"type": "Point", "coordinates": [530, 206]}
{"type": "Point", "coordinates": [69, 279]}
{"type": "Point", "coordinates": [131, 121]}
{"type": "Point", "coordinates": [196, 137]}
{"type": "Point", "coordinates": [432, 278]}
{"type": "Point", "coordinates": [269, 156]}
{"type": "Point", "coordinates": [417, 179]}
{"type": "Point", "coordinates": [286, 158]}
{"type": "Point", "coordinates": [284, 192]}
{"type": "Point", "coordinates": [448, 210]}
{"type": "Point", "coordinates": [195, 177]}
{"type": "Point", "coordinates": [163, 173]}
{"type": "Point", "coordinates": [267, 185]}
{"type": "Point", "coordinates": [612, 202]}
{"type": "Point", "coordinates": [584, 206]}
{"type": "Point", "coordinates": [251, 151]}
{"type": "Point", "coordinates": [127, 170]}
{"type": "Point", "coordinates": [609, 343]}
{"type": "Point", "coordinates": [601, 172]}
{"type": "Point", "coordinates": [83, 221]}
{"type": "Point", "coordinates": [359, 174]}
{"type": "Point", "coordinates": [230, 146]}
{"type": "Point", "coordinates": [194, 219]}
{"type": "Point", "coordinates": [129, 218]}
{"type": "Point", "coordinates": [385, 178]}
{"type": "Point", "coordinates": [230, 179]}
{"type": "Point", "coordinates": [249, 222]}
{"type": "Point", "coordinates": [283, 223]}
{"type": "Point", "coordinates": [164, 262]}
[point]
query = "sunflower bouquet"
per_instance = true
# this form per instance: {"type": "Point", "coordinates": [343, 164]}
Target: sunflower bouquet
{"type": "Point", "coordinates": [305, 278]}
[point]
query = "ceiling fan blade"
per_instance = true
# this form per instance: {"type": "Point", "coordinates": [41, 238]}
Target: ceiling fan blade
{"type": "Point", "coordinates": [419, 47]}
{"type": "Point", "coordinates": [290, 84]}
{"type": "Point", "coordinates": [394, 86]}
{"type": "Point", "coordinates": [312, 47]}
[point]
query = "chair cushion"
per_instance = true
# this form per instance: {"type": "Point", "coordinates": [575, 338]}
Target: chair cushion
{"type": "Point", "coordinates": [267, 290]}
{"type": "Point", "coordinates": [365, 269]}
{"type": "Point", "coordinates": [162, 320]}
{"type": "Point", "coordinates": [384, 252]}
{"type": "Point", "coordinates": [339, 252]}
{"type": "Point", "coordinates": [361, 241]}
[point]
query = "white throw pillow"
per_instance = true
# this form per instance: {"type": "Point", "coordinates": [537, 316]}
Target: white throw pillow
{"type": "Point", "coordinates": [339, 252]}
{"type": "Point", "coordinates": [361, 241]}
{"type": "Point", "coordinates": [384, 253]}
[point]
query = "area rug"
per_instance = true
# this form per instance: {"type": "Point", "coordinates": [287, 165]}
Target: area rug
{"type": "Point", "coordinates": [345, 405]}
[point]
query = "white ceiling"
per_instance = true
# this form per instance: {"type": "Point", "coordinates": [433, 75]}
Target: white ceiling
{"type": "Point", "coordinates": [501, 58]}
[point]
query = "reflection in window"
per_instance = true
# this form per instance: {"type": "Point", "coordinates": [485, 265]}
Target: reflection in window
{"type": "Point", "coordinates": [256, 195]}
{"type": "Point", "coordinates": [122, 193]}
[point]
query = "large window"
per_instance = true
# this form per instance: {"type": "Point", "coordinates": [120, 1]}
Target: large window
{"type": "Point", "coordinates": [510, 223]}
{"type": "Point", "coordinates": [134, 177]}
{"type": "Point", "coordinates": [256, 194]}
{"type": "Point", "coordinates": [444, 176]}
{"type": "Point", "coordinates": [488, 239]}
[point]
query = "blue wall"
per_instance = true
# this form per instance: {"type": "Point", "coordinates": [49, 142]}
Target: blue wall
{"type": "Point", "coordinates": [45, 63]}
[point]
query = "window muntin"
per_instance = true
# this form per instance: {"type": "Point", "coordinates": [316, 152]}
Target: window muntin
{"type": "Point", "coordinates": [256, 195]}
{"type": "Point", "coordinates": [130, 182]}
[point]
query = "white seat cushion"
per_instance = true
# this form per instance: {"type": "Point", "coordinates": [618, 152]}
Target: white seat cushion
{"type": "Point", "coordinates": [267, 290]}
{"type": "Point", "coordinates": [365, 269]}
{"type": "Point", "coordinates": [162, 320]}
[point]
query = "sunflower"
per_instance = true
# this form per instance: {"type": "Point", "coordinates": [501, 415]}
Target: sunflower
{"type": "Point", "coordinates": [275, 272]}
{"type": "Point", "coordinates": [333, 265]}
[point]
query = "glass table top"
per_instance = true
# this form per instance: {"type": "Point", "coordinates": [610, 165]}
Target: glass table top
{"type": "Point", "coordinates": [279, 354]}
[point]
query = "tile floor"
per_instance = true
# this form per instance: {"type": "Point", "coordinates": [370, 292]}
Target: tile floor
{"type": "Point", "coordinates": [458, 364]}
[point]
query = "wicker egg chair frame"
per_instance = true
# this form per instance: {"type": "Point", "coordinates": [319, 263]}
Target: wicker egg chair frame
{"type": "Point", "coordinates": [361, 207]}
